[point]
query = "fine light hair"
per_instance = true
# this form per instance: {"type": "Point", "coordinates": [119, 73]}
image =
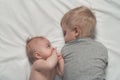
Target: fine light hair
{"type": "Point", "coordinates": [82, 17]}
{"type": "Point", "coordinates": [30, 50]}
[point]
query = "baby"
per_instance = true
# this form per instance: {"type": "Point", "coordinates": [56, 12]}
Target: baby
{"type": "Point", "coordinates": [46, 61]}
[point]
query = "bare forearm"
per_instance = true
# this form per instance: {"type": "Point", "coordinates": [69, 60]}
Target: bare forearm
{"type": "Point", "coordinates": [52, 60]}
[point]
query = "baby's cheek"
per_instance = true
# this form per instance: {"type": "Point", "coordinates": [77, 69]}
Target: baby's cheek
{"type": "Point", "coordinates": [51, 52]}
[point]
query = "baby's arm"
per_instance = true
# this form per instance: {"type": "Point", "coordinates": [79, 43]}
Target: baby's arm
{"type": "Point", "coordinates": [48, 64]}
{"type": "Point", "coordinates": [52, 60]}
{"type": "Point", "coordinates": [60, 66]}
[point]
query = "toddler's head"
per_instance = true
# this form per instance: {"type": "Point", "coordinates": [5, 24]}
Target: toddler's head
{"type": "Point", "coordinates": [79, 22]}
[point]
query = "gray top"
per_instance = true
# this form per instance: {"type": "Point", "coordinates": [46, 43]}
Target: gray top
{"type": "Point", "coordinates": [85, 59]}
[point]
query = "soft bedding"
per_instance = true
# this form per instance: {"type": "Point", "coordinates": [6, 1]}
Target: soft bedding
{"type": "Point", "coordinates": [22, 19]}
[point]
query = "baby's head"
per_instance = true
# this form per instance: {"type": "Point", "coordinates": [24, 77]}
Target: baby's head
{"type": "Point", "coordinates": [38, 48]}
{"type": "Point", "coordinates": [79, 22]}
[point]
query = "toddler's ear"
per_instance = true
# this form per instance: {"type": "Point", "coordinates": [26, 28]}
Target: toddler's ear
{"type": "Point", "coordinates": [78, 31]}
{"type": "Point", "coordinates": [37, 55]}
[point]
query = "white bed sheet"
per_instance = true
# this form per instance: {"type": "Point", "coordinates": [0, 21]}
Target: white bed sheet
{"type": "Point", "coordinates": [20, 19]}
{"type": "Point", "coordinates": [108, 30]}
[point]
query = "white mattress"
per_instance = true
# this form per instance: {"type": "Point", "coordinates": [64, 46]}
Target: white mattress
{"type": "Point", "coordinates": [20, 19]}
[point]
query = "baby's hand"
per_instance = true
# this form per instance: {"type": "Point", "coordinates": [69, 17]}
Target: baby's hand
{"type": "Point", "coordinates": [52, 60]}
{"type": "Point", "coordinates": [60, 66]}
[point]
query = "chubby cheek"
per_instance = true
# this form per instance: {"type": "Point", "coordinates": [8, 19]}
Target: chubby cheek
{"type": "Point", "coordinates": [50, 52]}
{"type": "Point", "coordinates": [46, 54]}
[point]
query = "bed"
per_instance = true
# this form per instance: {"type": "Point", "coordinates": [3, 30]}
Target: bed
{"type": "Point", "coordinates": [22, 19]}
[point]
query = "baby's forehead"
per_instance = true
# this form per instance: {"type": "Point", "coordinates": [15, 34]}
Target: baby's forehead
{"type": "Point", "coordinates": [38, 40]}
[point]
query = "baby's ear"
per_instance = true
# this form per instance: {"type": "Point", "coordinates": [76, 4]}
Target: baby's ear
{"type": "Point", "coordinates": [37, 55]}
{"type": "Point", "coordinates": [78, 31]}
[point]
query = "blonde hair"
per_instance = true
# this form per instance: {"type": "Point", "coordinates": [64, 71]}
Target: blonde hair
{"type": "Point", "coordinates": [82, 17]}
{"type": "Point", "coordinates": [30, 50]}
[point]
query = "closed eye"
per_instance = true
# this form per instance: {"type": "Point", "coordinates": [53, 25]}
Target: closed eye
{"type": "Point", "coordinates": [64, 33]}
